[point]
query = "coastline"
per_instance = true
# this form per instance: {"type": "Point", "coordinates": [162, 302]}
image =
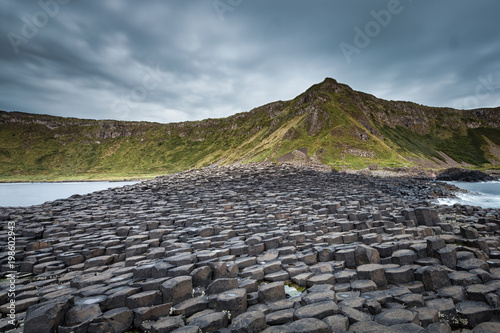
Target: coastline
{"type": "Point", "coordinates": [383, 172]}
{"type": "Point", "coordinates": [89, 179]}
{"type": "Point", "coordinates": [484, 193]}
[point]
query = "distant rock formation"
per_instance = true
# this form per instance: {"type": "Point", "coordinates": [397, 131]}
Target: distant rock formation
{"type": "Point", "coordinates": [464, 175]}
{"type": "Point", "coordinates": [329, 124]}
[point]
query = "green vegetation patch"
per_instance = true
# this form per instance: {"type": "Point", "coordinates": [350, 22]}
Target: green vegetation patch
{"type": "Point", "coordinates": [337, 125]}
{"type": "Point", "coordinates": [407, 141]}
{"type": "Point", "coordinates": [468, 147]}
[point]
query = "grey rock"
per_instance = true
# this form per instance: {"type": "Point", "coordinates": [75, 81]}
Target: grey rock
{"type": "Point", "coordinates": [325, 278]}
{"type": "Point", "coordinates": [211, 322]}
{"type": "Point", "coordinates": [318, 310]}
{"type": "Point", "coordinates": [489, 327]}
{"type": "Point", "coordinates": [472, 263]}
{"type": "Point", "coordinates": [370, 327]}
{"type": "Point", "coordinates": [201, 276]}
{"type": "Point", "coordinates": [363, 285]}
{"type": "Point", "coordinates": [187, 329]}
{"type": "Point", "coordinates": [167, 324]}
{"type": "Point", "coordinates": [354, 315]}
{"type": "Point", "coordinates": [46, 317]}
{"type": "Point", "coordinates": [440, 327]}
{"type": "Point", "coordinates": [426, 216]}
{"type": "Point", "coordinates": [82, 313]}
{"type": "Point", "coordinates": [309, 325]}
{"type": "Point", "coordinates": [411, 300]}
{"type": "Point", "coordinates": [427, 316]}
{"type": "Point", "coordinates": [248, 322]}
{"type": "Point", "coordinates": [404, 257]}
{"type": "Point", "coordinates": [472, 313]}
{"type": "Point", "coordinates": [151, 313]}
{"type": "Point", "coordinates": [234, 301]}
{"type": "Point", "coordinates": [116, 320]}
{"type": "Point", "coordinates": [408, 328]}
{"type": "Point", "coordinates": [396, 316]}
{"type": "Point", "coordinates": [271, 292]}
{"type": "Point", "coordinates": [319, 296]}
{"type": "Point", "coordinates": [478, 292]}
{"type": "Point", "coordinates": [455, 293]}
{"type": "Point", "coordinates": [434, 243]}
{"type": "Point", "coordinates": [221, 285]}
{"type": "Point", "coordinates": [280, 317]}
{"type": "Point", "coordinates": [118, 298]}
{"type": "Point", "coordinates": [337, 323]}
{"type": "Point", "coordinates": [448, 256]}
{"type": "Point", "coordinates": [462, 278]}
{"type": "Point", "coordinates": [177, 289]}
{"type": "Point", "coordinates": [399, 275]}
{"type": "Point", "coordinates": [435, 277]}
{"type": "Point", "coordinates": [191, 306]}
{"type": "Point", "coordinates": [145, 298]}
{"type": "Point", "coordinates": [373, 272]}
{"type": "Point", "coordinates": [446, 309]}
{"type": "Point", "coordinates": [366, 255]}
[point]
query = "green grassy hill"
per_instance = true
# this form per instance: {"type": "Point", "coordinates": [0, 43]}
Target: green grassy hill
{"type": "Point", "coordinates": [329, 123]}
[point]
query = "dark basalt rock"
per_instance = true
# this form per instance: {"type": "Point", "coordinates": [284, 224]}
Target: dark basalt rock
{"type": "Point", "coordinates": [254, 248]}
{"type": "Point", "coordinates": [464, 175]}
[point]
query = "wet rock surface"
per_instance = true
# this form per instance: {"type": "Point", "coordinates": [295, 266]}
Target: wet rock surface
{"type": "Point", "coordinates": [464, 175]}
{"type": "Point", "coordinates": [254, 248]}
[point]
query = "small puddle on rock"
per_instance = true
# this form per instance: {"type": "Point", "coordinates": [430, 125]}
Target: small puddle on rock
{"type": "Point", "coordinates": [293, 290]}
{"type": "Point", "coordinates": [91, 300]}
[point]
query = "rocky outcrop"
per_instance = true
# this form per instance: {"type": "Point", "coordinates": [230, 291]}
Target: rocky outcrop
{"type": "Point", "coordinates": [464, 175]}
{"type": "Point", "coordinates": [334, 122]}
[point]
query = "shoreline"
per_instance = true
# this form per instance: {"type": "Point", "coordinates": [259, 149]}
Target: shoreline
{"type": "Point", "coordinates": [383, 172]}
{"type": "Point", "coordinates": [77, 181]}
{"type": "Point", "coordinates": [447, 189]}
{"type": "Point", "coordinates": [110, 180]}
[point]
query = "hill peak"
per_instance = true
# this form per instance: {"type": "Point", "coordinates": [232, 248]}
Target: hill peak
{"type": "Point", "coordinates": [329, 123]}
{"type": "Point", "coordinates": [329, 85]}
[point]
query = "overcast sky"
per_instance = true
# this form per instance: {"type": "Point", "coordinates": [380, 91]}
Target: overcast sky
{"type": "Point", "coordinates": [177, 60]}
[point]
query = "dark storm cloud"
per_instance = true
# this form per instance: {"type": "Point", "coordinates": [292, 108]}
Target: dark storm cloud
{"type": "Point", "coordinates": [184, 60]}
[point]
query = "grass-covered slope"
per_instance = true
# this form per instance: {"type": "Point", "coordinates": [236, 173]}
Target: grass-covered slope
{"type": "Point", "coordinates": [329, 123]}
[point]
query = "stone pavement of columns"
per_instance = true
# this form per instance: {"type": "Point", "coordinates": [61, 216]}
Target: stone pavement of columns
{"type": "Point", "coordinates": [255, 248]}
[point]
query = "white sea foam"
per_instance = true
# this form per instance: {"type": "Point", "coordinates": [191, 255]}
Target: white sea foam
{"type": "Point", "coordinates": [484, 194]}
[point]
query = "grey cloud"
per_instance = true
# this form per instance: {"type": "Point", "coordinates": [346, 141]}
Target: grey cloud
{"type": "Point", "coordinates": [95, 59]}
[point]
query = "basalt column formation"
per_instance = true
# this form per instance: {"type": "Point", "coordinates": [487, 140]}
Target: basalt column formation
{"type": "Point", "coordinates": [255, 248]}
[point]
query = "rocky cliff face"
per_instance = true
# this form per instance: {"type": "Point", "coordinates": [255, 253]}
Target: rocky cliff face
{"type": "Point", "coordinates": [331, 122]}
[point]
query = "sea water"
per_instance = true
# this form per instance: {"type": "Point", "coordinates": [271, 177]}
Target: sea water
{"type": "Point", "coordinates": [29, 194]}
{"type": "Point", "coordinates": [484, 194]}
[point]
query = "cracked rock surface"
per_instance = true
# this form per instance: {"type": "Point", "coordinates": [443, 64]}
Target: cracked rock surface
{"type": "Point", "coordinates": [255, 248]}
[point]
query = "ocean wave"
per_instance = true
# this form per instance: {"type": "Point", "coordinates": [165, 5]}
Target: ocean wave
{"type": "Point", "coordinates": [472, 199]}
